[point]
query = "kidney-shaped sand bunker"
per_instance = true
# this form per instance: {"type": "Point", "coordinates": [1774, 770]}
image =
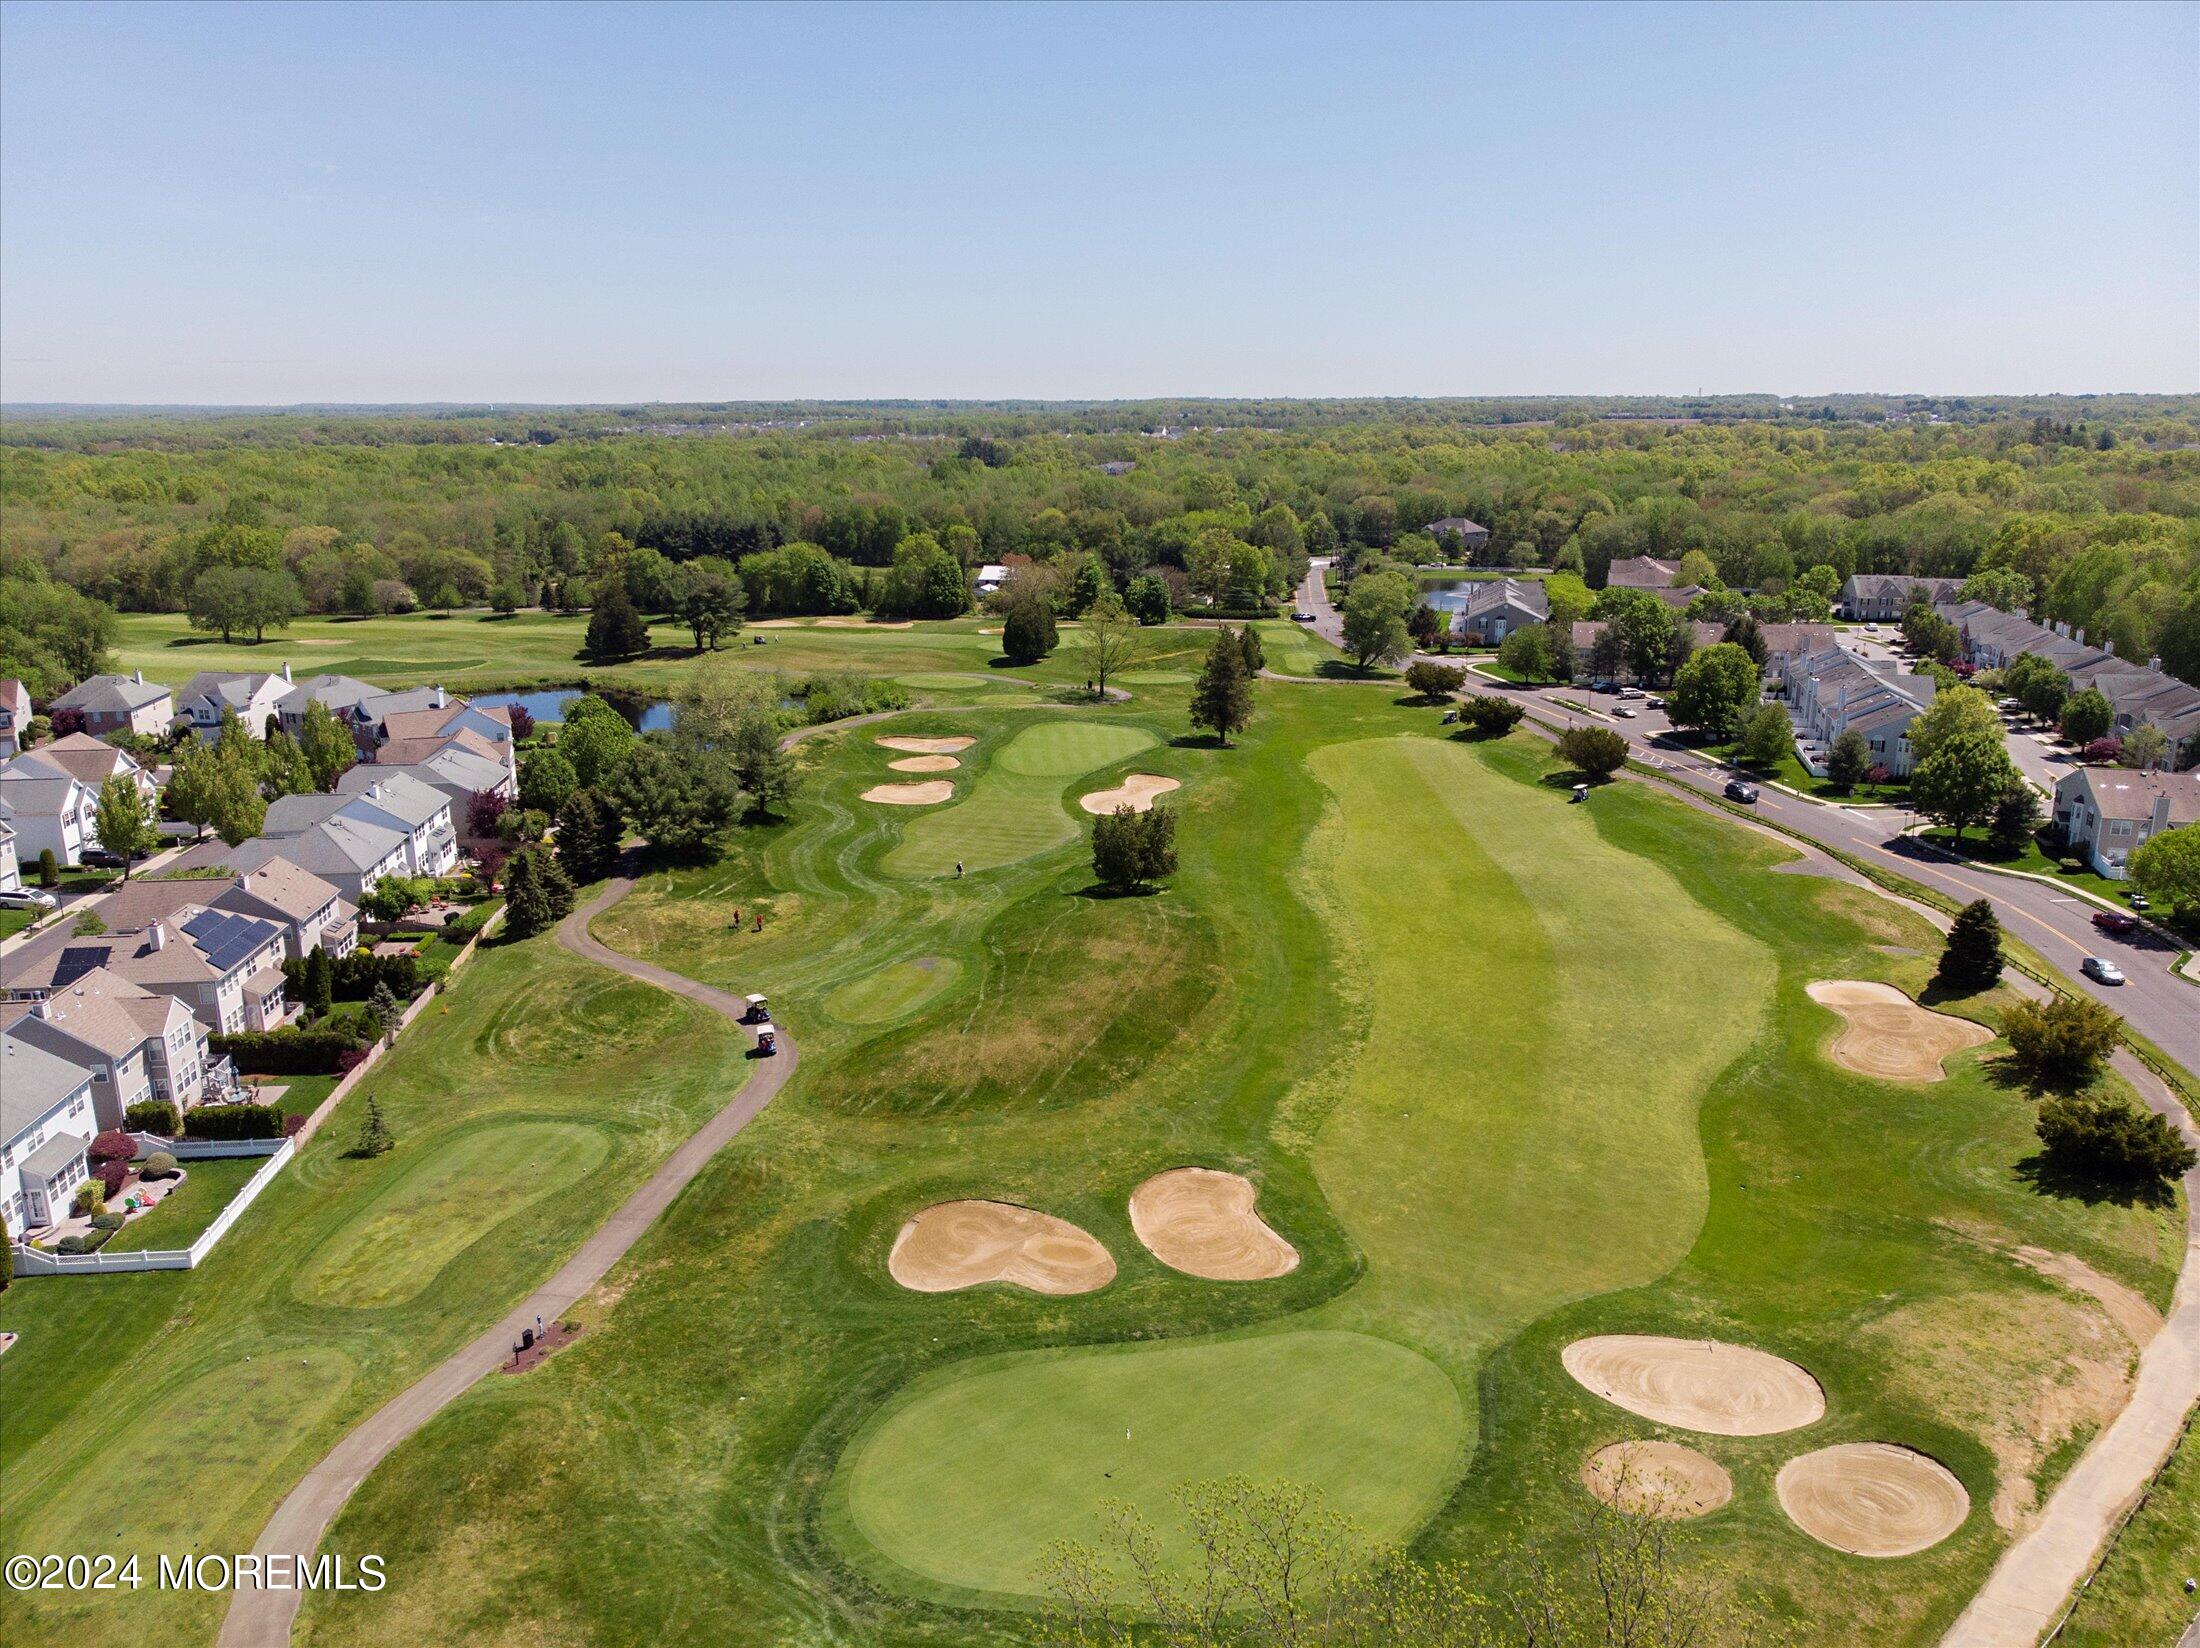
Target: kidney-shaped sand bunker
{"type": "Point", "coordinates": [1888, 1035]}
{"type": "Point", "coordinates": [1697, 1384]}
{"type": "Point", "coordinates": [1138, 792]}
{"type": "Point", "coordinates": [953, 1245]}
{"type": "Point", "coordinates": [1203, 1223]}
{"type": "Point", "coordinates": [927, 746]}
{"type": "Point", "coordinates": [927, 794]}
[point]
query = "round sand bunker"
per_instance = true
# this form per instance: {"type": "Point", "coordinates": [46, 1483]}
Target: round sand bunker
{"type": "Point", "coordinates": [1202, 1222]}
{"type": "Point", "coordinates": [1697, 1384]}
{"type": "Point", "coordinates": [910, 795]}
{"type": "Point", "coordinates": [954, 1245]}
{"type": "Point", "coordinates": [926, 746]}
{"type": "Point", "coordinates": [1661, 1479]}
{"type": "Point", "coordinates": [1872, 1498]}
{"type": "Point", "coordinates": [1888, 1035]}
{"type": "Point", "coordinates": [925, 763]}
{"type": "Point", "coordinates": [1137, 792]}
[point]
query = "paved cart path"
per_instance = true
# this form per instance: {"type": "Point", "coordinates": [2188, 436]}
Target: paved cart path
{"type": "Point", "coordinates": [262, 1619]}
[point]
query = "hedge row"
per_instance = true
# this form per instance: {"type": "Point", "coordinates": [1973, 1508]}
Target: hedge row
{"type": "Point", "coordinates": [289, 1052]}
{"type": "Point", "coordinates": [234, 1121]}
{"type": "Point", "coordinates": [153, 1116]}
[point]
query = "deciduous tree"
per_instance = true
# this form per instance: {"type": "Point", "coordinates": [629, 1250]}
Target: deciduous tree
{"type": "Point", "coordinates": [123, 826]}
{"type": "Point", "coordinates": [1714, 690]}
{"type": "Point", "coordinates": [1959, 783]}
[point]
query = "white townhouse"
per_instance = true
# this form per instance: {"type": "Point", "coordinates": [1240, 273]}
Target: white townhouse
{"type": "Point", "coordinates": [343, 695]}
{"type": "Point", "coordinates": [46, 1125]}
{"type": "Point", "coordinates": [15, 717]}
{"type": "Point", "coordinates": [401, 801]}
{"type": "Point", "coordinates": [251, 695]}
{"type": "Point", "coordinates": [121, 703]}
{"type": "Point", "coordinates": [50, 810]}
{"type": "Point", "coordinates": [11, 868]}
{"type": "Point", "coordinates": [353, 855]}
{"type": "Point", "coordinates": [137, 1043]}
{"type": "Point", "coordinates": [2109, 813]}
{"type": "Point", "coordinates": [1831, 691]}
{"type": "Point", "coordinates": [460, 766]}
{"type": "Point", "coordinates": [90, 761]}
{"type": "Point", "coordinates": [1488, 611]}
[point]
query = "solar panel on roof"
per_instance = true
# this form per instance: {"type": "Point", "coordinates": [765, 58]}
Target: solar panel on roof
{"type": "Point", "coordinates": [76, 961]}
{"type": "Point", "coordinates": [227, 939]}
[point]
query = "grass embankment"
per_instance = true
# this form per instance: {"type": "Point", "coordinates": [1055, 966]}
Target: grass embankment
{"type": "Point", "coordinates": [2033, 860]}
{"type": "Point", "coordinates": [2139, 1595]}
{"type": "Point", "coordinates": [1505, 1071]}
{"type": "Point", "coordinates": [170, 1411]}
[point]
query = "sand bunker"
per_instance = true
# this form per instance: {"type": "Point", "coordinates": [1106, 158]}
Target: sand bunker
{"type": "Point", "coordinates": [865, 623]}
{"type": "Point", "coordinates": [1137, 792]}
{"type": "Point", "coordinates": [1661, 1479]}
{"type": "Point", "coordinates": [1202, 1222]}
{"type": "Point", "coordinates": [1697, 1384]}
{"type": "Point", "coordinates": [925, 763]}
{"type": "Point", "coordinates": [954, 1245]}
{"type": "Point", "coordinates": [1888, 1035]}
{"type": "Point", "coordinates": [1872, 1498]}
{"type": "Point", "coordinates": [910, 795]}
{"type": "Point", "coordinates": [926, 746]}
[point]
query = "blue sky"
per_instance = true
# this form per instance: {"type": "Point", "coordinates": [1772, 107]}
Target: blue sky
{"type": "Point", "coordinates": [360, 203]}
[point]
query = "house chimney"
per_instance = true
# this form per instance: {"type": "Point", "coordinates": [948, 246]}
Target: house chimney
{"type": "Point", "coordinates": [138, 676]}
{"type": "Point", "coordinates": [438, 700]}
{"type": "Point", "coordinates": [156, 936]}
{"type": "Point", "coordinates": [286, 671]}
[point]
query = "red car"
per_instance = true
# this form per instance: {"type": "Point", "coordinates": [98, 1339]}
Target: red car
{"type": "Point", "coordinates": [2115, 921]}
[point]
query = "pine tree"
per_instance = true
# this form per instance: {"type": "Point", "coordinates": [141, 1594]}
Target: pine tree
{"type": "Point", "coordinates": [320, 982]}
{"type": "Point", "coordinates": [384, 1008]}
{"type": "Point", "coordinates": [1249, 645]}
{"type": "Point", "coordinates": [764, 770]}
{"type": "Point", "coordinates": [1222, 702]}
{"type": "Point", "coordinates": [1972, 960]}
{"type": "Point", "coordinates": [375, 1138]}
{"type": "Point", "coordinates": [588, 836]}
{"type": "Point", "coordinates": [538, 894]}
{"type": "Point", "coordinates": [615, 629]}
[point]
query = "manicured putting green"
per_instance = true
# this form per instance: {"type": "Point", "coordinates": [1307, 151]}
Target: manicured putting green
{"type": "Point", "coordinates": [1014, 810]}
{"type": "Point", "coordinates": [437, 1205]}
{"type": "Point", "coordinates": [892, 992]}
{"type": "Point", "coordinates": [970, 1480]}
{"type": "Point", "coordinates": [1063, 749]}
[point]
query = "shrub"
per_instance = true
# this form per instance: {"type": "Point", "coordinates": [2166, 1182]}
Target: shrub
{"type": "Point", "coordinates": [114, 1145]}
{"type": "Point", "coordinates": [2061, 1043]}
{"type": "Point", "coordinates": [159, 1165]}
{"type": "Point", "coordinates": [90, 1198]}
{"type": "Point", "coordinates": [108, 1222]}
{"type": "Point", "coordinates": [1433, 681]}
{"type": "Point", "coordinates": [153, 1116]}
{"type": "Point", "coordinates": [1597, 751]}
{"type": "Point", "coordinates": [357, 974]}
{"type": "Point", "coordinates": [288, 1052]}
{"type": "Point", "coordinates": [1489, 717]}
{"type": "Point", "coordinates": [2112, 1138]}
{"type": "Point", "coordinates": [234, 1121]}
{"type": "Point", "coordinates": [293, 1125]}
{"type": "Point", "coordinates": [112, 1176]}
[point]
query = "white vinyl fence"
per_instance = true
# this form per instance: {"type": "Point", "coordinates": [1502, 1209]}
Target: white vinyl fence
{"type": "Point", "coordinates": [30, 1262]}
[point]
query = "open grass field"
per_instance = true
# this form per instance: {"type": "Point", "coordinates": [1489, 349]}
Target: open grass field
{"type": "Point", "coordinates": [2139, 1595]}
{"type": "Point", "coordinates": [476, 651]}
{"type": "Point", "coordinates": [169, 1411]}
{"type": "Point", "coordinates": [1014, 808]}
{"type": "Point", "coordinates": [187, 1210]}
{"type": "Point", "coordinates": [1506, 1073]}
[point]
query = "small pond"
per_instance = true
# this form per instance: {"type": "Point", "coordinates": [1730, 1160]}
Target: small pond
{"type": "Point", "coordinates": [647, 714]}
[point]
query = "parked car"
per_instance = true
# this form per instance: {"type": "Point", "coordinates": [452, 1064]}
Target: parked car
{"type": "Point", "coordinates": [99, 858]}
{"type": "Point", "coordinates": [1656, 702]}
{"type": "Point", "coordinates": [2101, 970]}
{"type": "Point", "coordinates": [1632, 692]}
{"type": "Point", "coordinates": [2115, 921]}
{"type": "Point", "coordinates": [1302, 617]}
{"type": "Point", "coordinates": [1741, 790]}
{"type": "Point", "coordinates": [2139, 902]}
{"type": "Point", "coordinates": [26, 898]}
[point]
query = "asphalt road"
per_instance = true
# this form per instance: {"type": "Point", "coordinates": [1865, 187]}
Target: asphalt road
{"type": "Point", "coordinates": [2160, 1006]}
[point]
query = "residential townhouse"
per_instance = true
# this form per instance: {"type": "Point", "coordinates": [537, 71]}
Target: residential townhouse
{"type": "Point", "coordinates": [1458, 535]}
{"type": "Point", "coordinates": [137, 1043]}
{"type": "Point", "coordinates": [15, 717]}
{"type": "Point", "coordinates": [46, 1125]}
{"type": "Point", "coordinates": [49, 810]}
{"type": "Point", "coordinates": [352, 855]}
{"type": "Point", "coordinates": [1831, 691]}
{"type": "Point", "coordinates": [403, 802]}
{"type": "Point", "coordinates": [11, 868]}
{"type": "Point", "coordinates": [2138, 694]}
{"type": "Point", "coordinates": [226, 968]}
{"type": "Point", "coordinates": [251, 695]}
{"type": "Point", "coordinates": [90, 761]}
{"type": "Point", "coordinates": [1876, 597]}
{"type": "Point", "coordinates": [460, 766]}
{"type": "Point", "coordinates": [1642, 572]}
{"type": "Point", "coordinates": [311, 912]}
{"type": "Point", "coordinates": [1783, 639]}
{"type": "Point", "coordinates": [1584, 633]}
{"type": "Point", "coordinates": [344, 696]}
{"type": "Point", "coordinates": [2106, 814]}
{"type": "Point", "coordinates": [1487, 612]}
{"type": "Point", "coordinates": [121, 703]}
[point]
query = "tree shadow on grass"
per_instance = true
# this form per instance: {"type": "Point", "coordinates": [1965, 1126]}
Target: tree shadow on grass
{"type": "Point", "coordinates": [1100, 890]}
{"type": "Point", "coordinates": [2068, 1181]}
{"type": "Point", "coordinates": [1939, 991]}
{"type": "Point", "coordinates": [1197, 741]}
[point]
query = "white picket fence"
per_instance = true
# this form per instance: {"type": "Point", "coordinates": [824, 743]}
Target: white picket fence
{"type": "Point", "coordinates": [29, 1261]}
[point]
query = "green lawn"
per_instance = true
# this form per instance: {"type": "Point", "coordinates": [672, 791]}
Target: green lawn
{"type": "Point", "coordinates": [2139, 1595]}
{"type": "Point", "coordinates": [1505, 1071]}
{"type": "Point", "coordinates": [346, 1280]}
{"type": "Point", "coordinates": [1789, 770]}
{"type": "Point", "coordinates": [187, 1210]}
{"type": "Point", "coordinates": [2034, 860]}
